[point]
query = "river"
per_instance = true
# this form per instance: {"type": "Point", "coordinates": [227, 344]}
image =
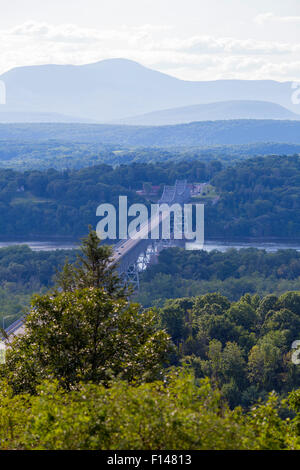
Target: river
{"type": "Point", "coordinates": [269, 246]}
{"type": "Point", "coordinates": [42, 245]}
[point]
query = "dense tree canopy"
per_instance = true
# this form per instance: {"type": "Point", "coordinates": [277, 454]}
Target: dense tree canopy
{"type": "Point", "coordinates": [55, 204]}
{"type": "Point", "coordinates": [179, 413]}
{"type": "Point", "coordinates": [259, 198]}
{"type": "Point", "coordinates": [24, 272]}
{"type": "Point", "coordinates": [86, 330]}
{"type": "Point", "coordinates": [245, 347]}
{"type": "Point", "coordinates": [182, 273]}
{"type": "Point", "coordinates": [253, 198]}
{"type": "Point", "coordinates": [90, 371]}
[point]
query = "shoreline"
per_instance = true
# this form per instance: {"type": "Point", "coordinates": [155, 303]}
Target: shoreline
{"type": "Point", "coordinates": [222, 245]}
{"type": "Point", "coordinates": [33, 239]}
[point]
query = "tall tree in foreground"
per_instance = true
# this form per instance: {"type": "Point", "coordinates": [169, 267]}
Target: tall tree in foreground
{"type": "Point", "coordinates": [87, 331]}
{"type": "Point", "coordinates": [94, 267]}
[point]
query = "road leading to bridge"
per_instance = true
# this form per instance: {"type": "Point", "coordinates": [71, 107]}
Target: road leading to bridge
{"type": "Point", "coordinates": [126, 252]}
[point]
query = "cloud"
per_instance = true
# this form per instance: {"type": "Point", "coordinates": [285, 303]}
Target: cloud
{"type": "Point", "coordinates": [148, 36]}
{"type": "Point", "coordinates": [202, 44]}
{"type": "Point", "coordinates": [200, 57]}
{"type": "Point", "coordinates": [73, 33]}
{"type": "Point", "coordinates": [264, 18]}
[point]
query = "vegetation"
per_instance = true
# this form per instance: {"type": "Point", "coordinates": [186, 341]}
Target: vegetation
{"type": "Point", "coordinates": [244, 347]}
{"type": "Point", "coordinates": [179, 413]}
{"type": "Point", "coordinates": [182, 273]}
{"type": "Point", "coordinates": [52, 203]}
{"type": "Point", "coordinates": [253, 198]}
{"type": "Point", "coordinates": [203, 370]}
{"type": "Point", "coordinates": [206, 133]}
{"type": "Point", "coordinates": [91, 372]}
{"type": "Point", "coordinates": [61, 155]}
{"type": "Point", "coordinates": [24, 272]}
{"type": "Point", "coordinates": [86, 330]}
{"type": "Point", "coordinates": [259, 198]}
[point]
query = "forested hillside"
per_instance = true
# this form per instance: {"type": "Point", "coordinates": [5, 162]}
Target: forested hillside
{"type": "Point", "coordinates": [234, 132]}
{"type": "Point", "coordinates": [24, 272]}
{"type": "Point", "coordinates": [253, 198]}
{"type": "Point", "coordinates": [63, 155]}
{"type": "Point", "coordinates": [182, 273]}
{"type": "Point", "coordinates": [95, 371]}
{"type": "Point", "coordinates": [63, 204]}
{"type": "Point", "coordinates": [259, 198]}
{"type": "Point", "coordinates": [245, 347]}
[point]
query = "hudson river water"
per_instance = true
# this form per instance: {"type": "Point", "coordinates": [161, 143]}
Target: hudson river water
{"type": "Point", "coordinates": [209, 245]}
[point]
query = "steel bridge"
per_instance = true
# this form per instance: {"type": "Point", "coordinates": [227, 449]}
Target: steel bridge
{"type": "Point", "coordinates": [133, 255]}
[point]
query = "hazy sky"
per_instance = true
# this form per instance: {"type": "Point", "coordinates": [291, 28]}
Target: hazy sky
{"type": "Point", "coordinates": [191, 39]}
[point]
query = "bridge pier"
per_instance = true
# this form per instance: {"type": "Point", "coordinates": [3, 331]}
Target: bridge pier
{"type": "Point", "coordinates": [132, 276]}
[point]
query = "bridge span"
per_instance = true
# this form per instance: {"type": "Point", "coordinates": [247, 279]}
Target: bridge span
{"type": "Point", "coordinates": [133, 254]}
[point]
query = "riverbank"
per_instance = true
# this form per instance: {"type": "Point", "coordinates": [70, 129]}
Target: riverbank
{"type": "Point", "coordinates": [270, 245]}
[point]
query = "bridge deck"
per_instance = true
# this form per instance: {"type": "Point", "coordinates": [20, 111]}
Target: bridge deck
{"type": "Point", "coordinates": [171, 194]}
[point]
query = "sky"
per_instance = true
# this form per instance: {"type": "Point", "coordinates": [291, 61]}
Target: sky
{"type": "Point", "coordinates": [189, 39]}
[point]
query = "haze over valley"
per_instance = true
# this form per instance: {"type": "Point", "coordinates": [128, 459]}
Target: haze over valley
{"type": "Point", "coordinates": [121, 89]}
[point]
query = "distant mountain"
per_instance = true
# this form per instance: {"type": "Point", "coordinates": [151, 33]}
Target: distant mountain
{"type": "Point", "coordinates": [117, 88]}
{"type": "Point", "coordinates": [214, 112]}
{"type": "Point", "coordinates": [234, 132]}
{"type": "Point", "coordinates": [10, 117]}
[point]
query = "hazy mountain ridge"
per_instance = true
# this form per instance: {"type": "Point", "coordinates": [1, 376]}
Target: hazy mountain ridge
{"type": "Point", "coordinates": [32, 117]}
{"type": "Point", "coordinates": [233, 132]}
{"type": "Point", "coordinates": [224, 110]}
{"type": "Point", "coordinates": [117, 88]}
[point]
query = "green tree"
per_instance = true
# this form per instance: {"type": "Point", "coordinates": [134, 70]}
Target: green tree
{"type": "Point", "coordinates": [94, 267]}
{"type": "Point", "coordinates": [87, 331]}
{"type": "Point", "coordinates": [177, 413]}
{"type": "Point", "coordinates": [265, 362]}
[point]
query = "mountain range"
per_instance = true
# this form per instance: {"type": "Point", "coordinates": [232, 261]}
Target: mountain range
{"type": "Point", "coordinates": [35, 117]}
{"type": "Point", "coordinates": [223, 110]}
{"type": "Point", "coordinates": [118, 89]}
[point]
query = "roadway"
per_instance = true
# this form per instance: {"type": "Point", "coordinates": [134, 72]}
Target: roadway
{"type": "Point", "coordinates": [121, 249]}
